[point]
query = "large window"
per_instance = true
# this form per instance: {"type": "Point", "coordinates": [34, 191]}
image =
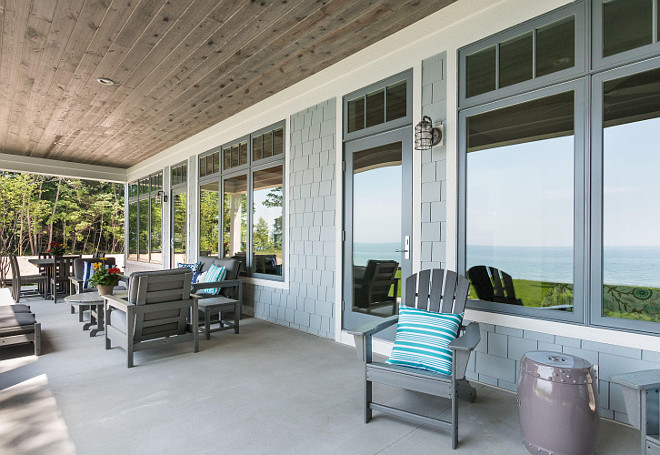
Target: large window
{"type": "Point", "coordinates": [179, 179]}
{"type": "Point", "coordinates": [552, 219]}
{"type": "Point", "coordinates": [145, 219]}
{"type": "Point", "coordinates": [251, 175]}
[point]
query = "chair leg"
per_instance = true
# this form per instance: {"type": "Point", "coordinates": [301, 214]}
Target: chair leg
{"type": "Point", "coordinates": [368, 392]}
{"type": "Point", "coordinates": [454, 417]}
{"type": "Point", "coordinates": [37, 339]}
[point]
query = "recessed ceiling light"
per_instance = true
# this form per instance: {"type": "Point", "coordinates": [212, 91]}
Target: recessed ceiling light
{"type": "Point", "coordinates": [58, 143]}
{"type": "Point", "coordinates": [105, 81]}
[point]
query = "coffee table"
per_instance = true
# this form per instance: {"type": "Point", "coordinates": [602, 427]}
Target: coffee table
{"type": "Point", "coordinates": [94, 301]}
{"type": "Point", "coordinates": [218, 305]}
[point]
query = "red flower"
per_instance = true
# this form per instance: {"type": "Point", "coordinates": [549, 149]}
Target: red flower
{"type": "Point", "coordinates": [114, 270]}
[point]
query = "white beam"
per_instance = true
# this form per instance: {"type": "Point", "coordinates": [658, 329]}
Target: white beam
{"type": "Point", "coordinates": [44, 166]}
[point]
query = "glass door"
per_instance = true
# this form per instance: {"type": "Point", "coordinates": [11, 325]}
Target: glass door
{"type": "Point", "coordinates": [377, 225]}
{"type": "Point", "coordinates": [179, 226]}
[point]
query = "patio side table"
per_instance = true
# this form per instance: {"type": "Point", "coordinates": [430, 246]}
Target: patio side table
{"type": "Point", "coordinates": [641, 391]}
{"type": "Point", "coordinates": [218, 305]}
{"type": "Point", "coordinates": [95, 303]}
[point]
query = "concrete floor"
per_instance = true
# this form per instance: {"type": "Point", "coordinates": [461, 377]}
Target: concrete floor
{"type": "Point", "coordinates": [268, 390]}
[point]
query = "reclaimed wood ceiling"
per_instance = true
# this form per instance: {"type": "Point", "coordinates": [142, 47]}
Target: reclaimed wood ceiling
{"type": "Point", "coordinates": [180, 66]}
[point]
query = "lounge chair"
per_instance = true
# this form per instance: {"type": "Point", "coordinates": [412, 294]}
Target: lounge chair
{"type": "Point", "coordinates": [372, 285]}
{"type": "Point", "coordinates": [18, 281]}
{"type": "Point", "coordinates": [154, 314]}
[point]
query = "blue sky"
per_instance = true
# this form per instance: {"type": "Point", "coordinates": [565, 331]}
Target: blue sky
{"type": "Point", "coordinates": [377, 205]}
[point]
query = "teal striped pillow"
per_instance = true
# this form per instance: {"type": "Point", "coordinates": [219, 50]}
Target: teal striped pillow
{"type": "Point", "coordinates": [214, 273]}
{"type": "Point", "coordinates": [422, 339]}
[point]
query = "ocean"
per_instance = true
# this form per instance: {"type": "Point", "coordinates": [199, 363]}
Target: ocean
{"type": "Point", "coordinates": [631, 266]}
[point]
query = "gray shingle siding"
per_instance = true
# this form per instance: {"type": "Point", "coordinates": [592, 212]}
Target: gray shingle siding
{"type": "Point", "coordinates": [308, 304]}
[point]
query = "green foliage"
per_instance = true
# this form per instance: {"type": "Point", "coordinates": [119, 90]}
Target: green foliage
{"type": "Point", "coordinates": [84, 215]}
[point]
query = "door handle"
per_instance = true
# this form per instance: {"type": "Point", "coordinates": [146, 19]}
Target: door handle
{"type": "Point", "coordinates": [406, 250]}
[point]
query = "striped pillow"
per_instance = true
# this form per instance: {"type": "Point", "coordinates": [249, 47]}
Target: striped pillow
{"type": "Point", "coordinates": [214, 273]}
{"type": "Point", "coordinates": [422, 339]}
{"type": "Point", "coordinates": [88, 271]}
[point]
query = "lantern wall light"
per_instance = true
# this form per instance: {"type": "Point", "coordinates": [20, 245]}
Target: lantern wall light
{"type": "Point", "coordinates": [427, 135]}
{"type": "Point", "coordinates": [161, 197]}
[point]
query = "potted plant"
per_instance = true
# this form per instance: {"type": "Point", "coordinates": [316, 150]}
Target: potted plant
{"type": "Point", "coordinates": [55, 249]}
{"type": "Point", "coordinates": [105, 279]}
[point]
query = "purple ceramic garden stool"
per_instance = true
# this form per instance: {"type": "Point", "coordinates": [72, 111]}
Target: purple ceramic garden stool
{"type": "Point", "coordinates": [557, 404]}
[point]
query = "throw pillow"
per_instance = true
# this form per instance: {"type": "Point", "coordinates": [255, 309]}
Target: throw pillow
{"type": "Point", "coordinates": [213, 274]}
{"type": "Point", "coordinates": [194, 267]}
{"type": "Point", "coordinates": [88, 271]}
{"type": "Point", "coordinates": [422, 339]}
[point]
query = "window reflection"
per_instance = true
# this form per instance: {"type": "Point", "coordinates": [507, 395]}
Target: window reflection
{"type": "Point", "coordinates": [631, 239]}
{"type": "Point", "coordinates": [179, 226]}
{"type": "Point", "coordinates": [235, 219]}
{"type": "Point", "coordinates": [267, 221]}
{"type": "Point", "coordinates": [519, 247]}
{"type": "Point", "coordinates": [209, 209]}
{"type": "Point", "coordinates": [377, 202]}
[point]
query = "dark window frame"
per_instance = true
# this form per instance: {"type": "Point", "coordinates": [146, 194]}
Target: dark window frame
{"type": "Point", "coordinates": [140, 196]}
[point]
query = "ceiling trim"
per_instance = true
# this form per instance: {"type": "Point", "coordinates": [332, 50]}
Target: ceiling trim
{"type": "Point", "coordinates": [45, 166]}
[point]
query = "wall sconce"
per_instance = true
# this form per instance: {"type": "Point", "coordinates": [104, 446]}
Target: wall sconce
{"type": "Point", "coordinates": [161, 197]}
{"type": "Point", "coordinates": [426, 135]}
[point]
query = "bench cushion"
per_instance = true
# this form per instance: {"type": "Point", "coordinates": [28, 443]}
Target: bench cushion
{"type": "Point", "coordinates": [422, 339]}
{"type": "Point", "coordinates": [16, 324]}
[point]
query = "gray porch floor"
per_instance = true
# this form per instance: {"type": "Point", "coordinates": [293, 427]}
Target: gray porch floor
{"type": "Point", "coordinates": [269, 389]}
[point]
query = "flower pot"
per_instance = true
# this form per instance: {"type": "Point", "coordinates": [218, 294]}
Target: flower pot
{"type": "Point", "coordinates": [104, 289]}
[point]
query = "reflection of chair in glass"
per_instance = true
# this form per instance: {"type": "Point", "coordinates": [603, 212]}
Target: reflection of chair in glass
{"type": "Point", "coordinates": [267, 263]}
{"type": "Point", "coordinates": [372, 286]}
{"type": "Point", "coordinates": [496, 286]}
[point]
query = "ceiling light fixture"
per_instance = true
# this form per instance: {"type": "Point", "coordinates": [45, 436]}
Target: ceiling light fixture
{"type": "Point", "coordinates": [105, 81]}
{"type": "Point", "coordinates": [58, 143]}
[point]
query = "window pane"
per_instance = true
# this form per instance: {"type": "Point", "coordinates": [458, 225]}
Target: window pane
{"type": "Point", "coordinates": [209, 209]}
{"type": "Point", "coordinates": [376, 108]}
{"type": "Point", "coordinates": [227, 158]}
{"type": "Point", "coordinates": [234, 156]}
{"type": "Point", "coordinates": [627, 24]}
{"type": "Point", "coordinates": [278, 142]}
{"type": "Point", "coordinates": [268, 144]}
{"type": "Point", "coordinates": [132, 230]}
{"type": "Point", "coordinates": [555, 47]}
{"type": "Point", "coordinates": [179, 228]}
{"type": "Point", "coordinates": [143, 242]}
{"type": "Point", "coordinates": [396, 101]}
{"type": "Point", "coordinates": [235, 218]}
{"type": "Point", "coordinates": [355, 115]}
{"type": "Point", "coordinates": [202, 167]}
{"type": "Point", "coordinates": [516, 60]}
{"type": "Point", "coordinates": [243, 152]}
{"type": "Point", "coordinates": [216, 162]}
{"type": "Point", "coordinates": [519, 236]}
{"type": "Point", "coordinates": [257, 149]}
{"type": "Point", "coordinates": [480, 68]}
{"type": "Point", "coordinates": [144, 186]}
{"type": "Point", "coordinates": [267, 229]}
{"type": "Point", "coordinates": [156, 231]}
{"type": "Point", "coordinates": [631, 238]}
{"type": "Point", "coordinates": [184, 173]}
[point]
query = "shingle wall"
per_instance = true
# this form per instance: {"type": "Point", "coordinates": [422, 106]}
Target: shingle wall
{"type": "Point", "coordinates": [434, 166]}
{"type": "Point", "coordinates": [308, 304]}
{"type": "Point", "coordinates": [497, 361]}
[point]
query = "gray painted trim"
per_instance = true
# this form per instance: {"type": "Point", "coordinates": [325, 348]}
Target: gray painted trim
{"type": "Point", "coordinates": [596, 291]}
{"type": "Point", "coordinates": [579, 240]}
{"type": "Point", "coordinates": [578, 9]}
{"type": "Point", "coordinates": [383, 127]}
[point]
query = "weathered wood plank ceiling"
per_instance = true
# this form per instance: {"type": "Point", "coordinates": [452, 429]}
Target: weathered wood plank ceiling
{"type": "Point", "coordinates": [180, 66]}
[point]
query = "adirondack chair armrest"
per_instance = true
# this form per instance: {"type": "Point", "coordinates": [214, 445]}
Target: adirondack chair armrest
{"type": "Point", "coordinates": [462, 347]}
{"type": "Point", "coordinates": [469, 340]}
{"type": "Point", "coordinates": [363, 334]}
{"type": "Point", "coordinates": [115, 302]}
{"type": "Point", "coordinates": [217, 284]}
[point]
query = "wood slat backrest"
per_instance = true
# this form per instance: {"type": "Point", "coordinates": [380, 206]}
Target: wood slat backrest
{"type": "Point", "coordinates": [424, 290]}
{"type": "Point", "coordinates": [498, 288]}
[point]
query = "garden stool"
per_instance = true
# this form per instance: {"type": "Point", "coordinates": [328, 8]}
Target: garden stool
{"type": "Point", "coordinates": [557, 404]}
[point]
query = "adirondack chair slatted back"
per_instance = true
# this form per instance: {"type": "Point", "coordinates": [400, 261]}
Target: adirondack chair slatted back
{"type": "Point", "coordinates": [380, 274]}
{"type": "Point", "coordinates": [155, 287]}
{"type": "Point", "coordinates": [424, 290]}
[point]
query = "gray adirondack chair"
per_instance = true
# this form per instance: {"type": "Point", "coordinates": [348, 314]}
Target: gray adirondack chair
{"type": "Point", "coordinates": [154, 314]}
{"type": "Point", "coordinates": [423, 290]}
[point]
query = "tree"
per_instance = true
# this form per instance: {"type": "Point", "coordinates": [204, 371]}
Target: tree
{"type": "Point", "coordinates": [261, 236]}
